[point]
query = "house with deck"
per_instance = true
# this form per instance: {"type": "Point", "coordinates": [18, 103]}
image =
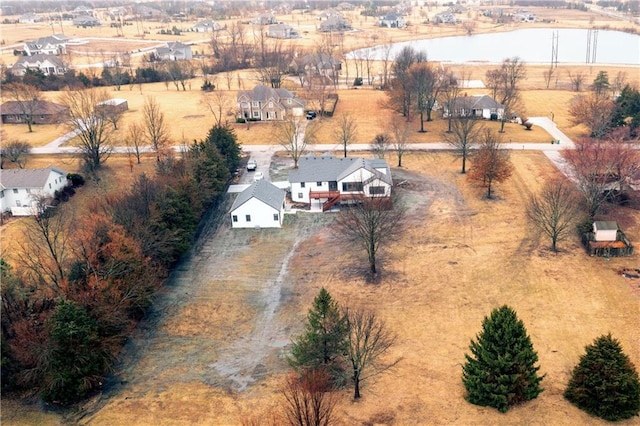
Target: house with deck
{"type": "Point", "coordinates": [267, 103]}
{"type": "Point", "coordinates": [261, 205]}
{"type": "Point", "coordinates": [328, 180]}
{"type": "Point", "coordinates": [21, 190]}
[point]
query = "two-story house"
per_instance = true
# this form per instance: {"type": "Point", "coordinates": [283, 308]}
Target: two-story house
{"type": "Point", "coordinates": [266, 103]}
{"type": "Point", "coordinates": [393, 21]}
{"type": "Point", "coordinates": [174, 51]}
{"type": "Point", "coordinates": [50, 45]}
{"type": "Point", "coordinates": [282, 31]}
{"type": "Point", "coordinates": [329, 180]}
{"type": "Point", "coordinates": [21, 189]}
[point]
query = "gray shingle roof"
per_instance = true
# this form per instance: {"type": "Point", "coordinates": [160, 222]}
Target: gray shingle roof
{"type": "Point", "coordinates": [262, 190]}
{"type": "Point", "coordinates": [27, 61]}
{"type": "Point", "coordinates": [605, 225]}
{"type": "Point", "coordinates": [328, 168]}
{"type": "Point", "coordinates": [41, 108]}
{"type": "Point", "coordinates": [476, 102]}
{"type": "Point", "coordinates": [26, 178]}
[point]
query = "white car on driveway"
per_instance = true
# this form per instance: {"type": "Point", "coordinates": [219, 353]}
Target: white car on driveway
{"type": "Point", "coordinates": [252, 165]}
{"type": "Point", "coordinates": [258, 176]}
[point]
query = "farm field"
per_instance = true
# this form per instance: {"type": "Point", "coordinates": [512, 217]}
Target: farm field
{"type": "Point", "coordinates": [197, 358]}
{"type": "Point", "coordinates": [212, 351]}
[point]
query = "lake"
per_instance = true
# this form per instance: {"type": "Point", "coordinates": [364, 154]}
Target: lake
{"type": "Point", "coordinates": [533, 45]}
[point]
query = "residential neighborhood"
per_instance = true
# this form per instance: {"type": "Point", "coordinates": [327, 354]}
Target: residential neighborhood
{"type": "Point", "coordinates": [320, 213]}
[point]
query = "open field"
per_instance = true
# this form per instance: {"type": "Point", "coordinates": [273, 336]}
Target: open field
{"type": "Point", "coordinates": [198, 358]}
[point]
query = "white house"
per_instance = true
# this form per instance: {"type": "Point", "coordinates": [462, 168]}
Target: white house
{"type": "Point", "coordinates": [30, 18]}
{"type": "Point", "coordinates": [50, 45]}
{"type": "Point", "coordinates": [331, 180]}
{"type": "Point", "coordinates": [261, 205]}
{"type": "Point", "coordinates": [480, 106]}
{"type": "Point", "coordinates": [174, 51]}
{"type": "Point", "coordinates": [20, 189]}
{"type": "Point", "coordinates": [393, 21]}
{"type": "Point", "coordinates": [282, 31]}
{"type": "Point", "coordinates": [48, 64]}
{"type": "Point", "coordinates": [206, 26]}
{"type": "Point", "coordinates": [605, 230]}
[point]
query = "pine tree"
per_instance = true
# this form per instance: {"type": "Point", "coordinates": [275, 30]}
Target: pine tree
{"type": "Point", "coordinates": [323, 344]}
{"type": "Point", "coordinates": [501, 371]}
{"type": "Point", "coordinates": [605, 382]}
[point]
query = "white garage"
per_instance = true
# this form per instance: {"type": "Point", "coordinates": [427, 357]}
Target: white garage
{"type": "Point", "coordinates": [261, 205]}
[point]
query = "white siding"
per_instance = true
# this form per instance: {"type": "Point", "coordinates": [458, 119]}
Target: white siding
{"type": "Point", "coordinates": [297, 190]}
{"type": "Point", "coordinates": [26, 196]}
{"type": "Point", "coordinates": [261, 215]}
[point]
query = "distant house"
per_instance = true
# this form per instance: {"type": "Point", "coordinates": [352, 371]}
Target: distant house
{"type": "Point", "coordinates": [264, 19]}
{"type": "Point", "coordinates": [480, 106]}
{"type": "Point", "coordinates": [207, 26]}
{"type": "Point", "coordinates": [331, 180]}
{"type": "Point", "coordinates": [282, 31]}
{"type": "Point", "coordinates": [266, 103]}
{"type": "Point", "coordinates": [50, 45]}
{"type": "Point", "coordinates": [86, 21]}
{"type": "Point", "coordinates": [318, 64]}
{"type": "Point", "coordinates": [335, 23]}
{"type": "Point", "coordinates": [328, 14]}
{"type": "Point", "coordinates": [42, 112]}
{"type": "Point", "coordinates": [148, 12]}
{"type": "Point", "coordinates": [48, 64]}
{"type": "Point", "coordinates": [393, 21]}
{"type": "Point", "coordinates": [29, 18]}
{"type": "Point", "coordinates": [174, 51]}
{"type": "Point", "coordinates": [344, 6]}
{"type": "Point", "coordinates": [82, 11]}
{"type": "Point", "coordinates": [113, 106]}
{"type": "Point", "coordinates": [524, 17]}
{"type": "Point", "coordinates": [20, 189]}
{"type": "Point", "coordinates": [444, 18]}
{"type": "Point", "coordinates": [261, 205]}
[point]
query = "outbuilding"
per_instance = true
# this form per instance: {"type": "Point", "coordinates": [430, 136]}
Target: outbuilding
{"type": "Point", "coordinates": [261, 205]}
{"type": "Point", "coordinates": [605, 230]}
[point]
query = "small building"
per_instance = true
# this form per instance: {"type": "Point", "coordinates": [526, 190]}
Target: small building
{"type": "Point", "coordinates": [113, 106]}
{"type": "Point", "coordinates": [22, 189]}
{"type": "Point", "coordinates": [261, 205]}
{"type": "Point", "coordinates": [174, 51]}
{"type": "Point", "coordinates": [41, 112]}
{"type": "Point", "coordinates": [47, 64]}
{"type": "Point", "coordinates": [605, 230]}
{"type": "Point", "coordinates": [282, 31]}
{"type": "Point", "coordinates": [266, 103]}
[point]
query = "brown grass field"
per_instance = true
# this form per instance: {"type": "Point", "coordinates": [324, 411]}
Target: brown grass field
{"type": "Point", "coordinates": [460, 257]}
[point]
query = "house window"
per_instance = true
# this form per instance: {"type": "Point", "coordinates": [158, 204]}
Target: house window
{"type": "Point", "coordinates": [270, 104]}
{"type": "Point", "coordinates": [289, 101]}
{"type": "Point", "coordinates": [256, 114]}
{"type": "Point", "coordinates": [18, 203]}
{"type": "Point", "coordinates": [2, 194]}
{"type": "Point", "coordinates": [351, 186]}
{"type": "Point", "coordinates": [255, 104]}
{"type": "Point", "coordinates": [301, 184]}
{"type": "Point", "coordinates": [244, 104]}
{"type": "Point", "coordinates": [28, 190]}
{"type": "Point", "coordinates": [376, 190]}
{"type": "Point", "coordinates": [15, 190]}
{"type": "Point", "coordinates": [248, 217]}
{"type": "Point", "coordinates": [300, 195]}
{"type": "Point", "coordinates": [318, 183]}
{"type": "Point", "coordinates": [275, 216]}
{"type": "Point", "coordinates": [234, 218]}
{"type": "Point", "coordinates": [49, 186]}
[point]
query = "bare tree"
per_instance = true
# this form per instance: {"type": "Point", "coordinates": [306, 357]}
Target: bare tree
{"type": "Point", "coordinates": [345, 131]}
{"type": "Point", "coordinates": [15, 151]}
{"type": "Point", "coordinates": [369, 224]}
{"type": "Point", "coordinates": [369, 341]}
{"type": "Point", "coordinates": [156, 130]}
{"type": "Point", "coordinates": [135, 139]}
{"type": "Point", "coordinates": [595, 111]}
{"type": "Point", "coordinates": [294, 134]}
{"type": "Point", "coordinates": [381, 143]}
{"type": "Point", "coordinates": [512, 72]}
{"type": "Point", "coordinates": [548, 76]}
{"type": "Point", "coordinates": [452, 85]}
{"type": "Point", "coordinates": [219, 104]}
{"type": "Point", "coordinates": [26, 98]}
{"type": "Point", "coordinates": [90, 122]}
{"type": "Point", "coordinates": [577, 79]}
{"type": "Point", "coordinates": [400, 131]}
{"type": "Point", "coordinates": [554, 210]}
{"type": "Point", "coordinates": [179, 72]}
{"type": "Point", "coordinates": [308, 400]}
{"type": "Point", "coordinates": [464, 133]}
{"type": "Point", "coordinates": [491, 163]}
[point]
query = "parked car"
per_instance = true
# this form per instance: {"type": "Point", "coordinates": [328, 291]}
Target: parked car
{"type": "Point", "coordinates": [311, 115]}
{"type": "Point", "coordinates": [258, 176]}
{"type": "Point", "coordinates": [252, 165]}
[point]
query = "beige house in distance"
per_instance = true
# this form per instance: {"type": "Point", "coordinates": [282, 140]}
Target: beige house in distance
{"type": "Point", "coordinates": [266, 103]}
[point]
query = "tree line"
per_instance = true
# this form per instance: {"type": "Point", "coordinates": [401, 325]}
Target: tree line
{"type": "Point", "coordinates": [82, 279]}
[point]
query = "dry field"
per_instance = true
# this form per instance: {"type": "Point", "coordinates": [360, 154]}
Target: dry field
{"type": "Point", "coordinates": [460, 257]}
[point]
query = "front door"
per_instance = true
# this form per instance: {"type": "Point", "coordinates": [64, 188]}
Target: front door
{"type": "Point", "coordinates": [333, 185]}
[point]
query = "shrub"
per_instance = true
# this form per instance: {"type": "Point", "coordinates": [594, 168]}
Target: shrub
{"type": "Point", "coordinates": [357, 81]}
{"type": "Point", "coordinates": [501, 371]}
{"type": "Point", "coordinates": [605, 382]}
{"type": "Point", "coordinates": [240, 120]}
{"type": "Point", "coordinates": [75, 179]}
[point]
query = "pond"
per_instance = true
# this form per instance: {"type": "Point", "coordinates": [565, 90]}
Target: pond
{"type": "Point", "coordinates": [533, 45]}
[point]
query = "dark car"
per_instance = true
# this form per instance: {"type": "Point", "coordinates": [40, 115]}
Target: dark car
{"type": "Point", "coordinates": [311, 115]}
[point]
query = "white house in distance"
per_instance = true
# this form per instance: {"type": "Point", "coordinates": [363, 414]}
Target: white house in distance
{"type": "Point", "coordinates": [261, 205]}
{"type": "Point", "coordinates": [480, 106]}
{"type": "Point", "coordinates": [174, 51]}
{"type": "Point", "coordinates": [331, 180]}
{"type": "Point", "coordinates": [48, 64]}
{"type": "Point", "coordinates": [21, 188]}
{"type": "Point", "coordinates": [51, 45]}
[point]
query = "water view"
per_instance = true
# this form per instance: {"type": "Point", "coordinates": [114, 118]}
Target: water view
{"type": "Point", "coordinates": [534, 45]}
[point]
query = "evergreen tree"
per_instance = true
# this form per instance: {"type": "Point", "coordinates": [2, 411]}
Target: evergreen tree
{"type": "Point", "coordinates": [605, 382]}
{"type": "Point", "coordinates": [501, 371]}
{"type": "Point", "coordinates": [323, 344]}
{"type": "Point", "coordinates": [225, 140]}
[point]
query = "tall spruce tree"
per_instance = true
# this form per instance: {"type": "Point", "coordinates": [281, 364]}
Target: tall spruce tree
{"type": "Point", "coordinates": [605, 382]}
{"type": "Point", "coordinates": [323, 345]}
{"type": "Point", "coordinates": [501, 371]}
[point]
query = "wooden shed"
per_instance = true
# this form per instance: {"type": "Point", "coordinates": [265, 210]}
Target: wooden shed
{"type": "Point", "coordinates": [605, 230]}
